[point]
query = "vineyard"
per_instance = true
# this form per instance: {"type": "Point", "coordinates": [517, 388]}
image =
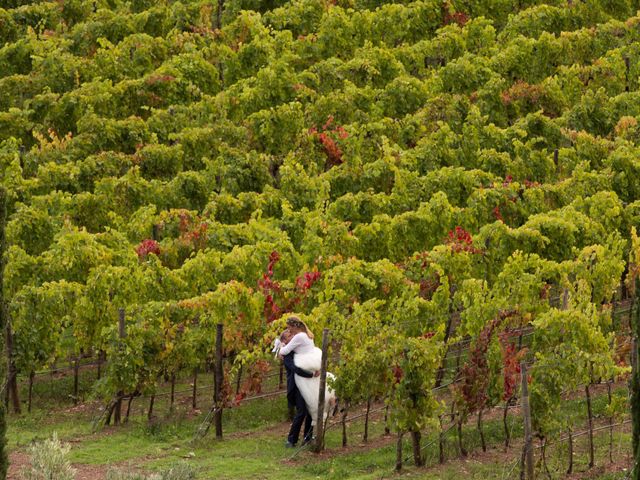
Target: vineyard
{"type": "Point", "coordinates": [449, 188]}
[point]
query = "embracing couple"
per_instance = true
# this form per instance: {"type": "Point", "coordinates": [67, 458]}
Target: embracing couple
{"type": "Point", "coordinates": [302, 361]}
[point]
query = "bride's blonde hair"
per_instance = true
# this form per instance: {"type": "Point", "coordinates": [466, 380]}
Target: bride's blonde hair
{"type": "Point", "coordinates": [295, 322]}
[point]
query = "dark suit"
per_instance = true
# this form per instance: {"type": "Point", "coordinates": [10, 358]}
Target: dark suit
{"type": "Point", "coordinates": [294, 398]}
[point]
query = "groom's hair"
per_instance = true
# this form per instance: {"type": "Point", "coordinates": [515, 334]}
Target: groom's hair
{"type": "Point", "coordinates": [284, 335]}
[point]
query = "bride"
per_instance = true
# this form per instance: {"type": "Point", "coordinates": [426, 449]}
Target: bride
{"type": "Point", "coordinates": [308, 357]}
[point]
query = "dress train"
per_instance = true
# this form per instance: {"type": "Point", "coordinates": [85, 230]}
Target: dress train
{"type": "Point", "coordinates": [310, 387]}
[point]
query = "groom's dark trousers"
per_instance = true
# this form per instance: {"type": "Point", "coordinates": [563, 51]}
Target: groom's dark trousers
{"type": "Point", "coordinates": [294, 398]}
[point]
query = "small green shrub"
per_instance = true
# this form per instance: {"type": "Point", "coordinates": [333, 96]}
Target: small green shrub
{"type": "Point", "coordinates": [49, 460]}
{"type": "Point", "coordinates": [179, 471]}
{"type": "Point", "coordinates": [124, 475]}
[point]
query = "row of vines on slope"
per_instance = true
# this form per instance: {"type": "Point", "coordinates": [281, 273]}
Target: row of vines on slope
{"type": "Point", "coordinates": [372, 166]}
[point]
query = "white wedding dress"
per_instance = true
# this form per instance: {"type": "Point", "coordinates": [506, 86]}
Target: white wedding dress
{"type": "Point", "coordinates": [309, 388]}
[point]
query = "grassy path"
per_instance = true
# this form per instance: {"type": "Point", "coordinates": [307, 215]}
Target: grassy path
{"type": "Point", "coordinates": [253, 447]}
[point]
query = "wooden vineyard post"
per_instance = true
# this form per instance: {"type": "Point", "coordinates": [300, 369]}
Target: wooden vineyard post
{"type": "Point", "coordinates": [321, 395]}
{"type": "Point", "coordinates": [387, 430]}
{"type": "Point", "coordinates": [590, 422]}
{"type": "Point", "coordinates": [526, 413]}
{"type": "Point", "coordinates": [634, 387]}
{"type": "Point", "coordinates": [194, 395]}
{"type": "Point", "coordinates": [239, 380]}
{"type": "Point", "coordinates": [122, 328]}
{"type": "Point", "coordinates": [440, 442]}
{"type": "Point", "coordinates": [31, 377]}
{"type": "Point", "coordinates": [627, 65]}
{"type": "Point", "coordinates": [4, 329]}
{"type": "Point", "coordinates": [611, 420]}
{"type": "Point", "coordinates": [634, 381]}
{"type": "Point", "coordinates": [150, 411]}
{"type": "Point", "coordinates": [12, 377]}
{"type": "Point", "coordinates": [173, 392]}
{"type": "Point", "coordinates": [634, 353]}
{"type": "Point", "coordinates": [365, 435]}
{"type": "Point", "coordinates": [218, 380]}
{"type": "Point", "coordinates": [219, 14]}
{"type": "Point", "coordinates": [570, 438]}
{"type": "Point", "coordinates": [122, 333]}
{"type": "Point", "coordinates": [76, 373]}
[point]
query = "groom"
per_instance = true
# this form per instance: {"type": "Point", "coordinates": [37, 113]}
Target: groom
{"type": "Point", "coordinates": [295, 399]}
